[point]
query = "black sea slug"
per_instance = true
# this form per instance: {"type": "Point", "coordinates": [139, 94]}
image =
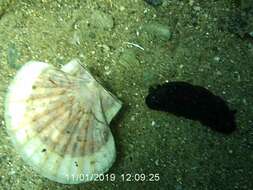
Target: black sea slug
{"type": "Point", "coordinates": [192, 102]}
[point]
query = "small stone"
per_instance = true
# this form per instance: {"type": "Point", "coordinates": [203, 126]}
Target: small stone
{"type": "Point", "coordinates": [219, 73]}
{"type": "Point", "coordinates": [75, 40]}
{"type": "Point", "coordinates": [196, 8]}
{"type": "Point", "coordinates": [122, 8]}
{"type": "Point", "coordinates": [129, 57]}
{"type": "Point", "coordinates": [148, 77]}
{"type": "Point", "coordinates": [12, 56]}
{"type": "Point", "coordinates": [12, 172]}
{"type": "Point", "coordinates": [154, 3]}
{"type": "Point", "coordinates": [244, 101]}
{"type": "Point", "coordinates": [108, 72]}
{"type": "Point", "coordinates": [101, 20]}
{"type": "Point", "coordinates": [153, 123]}
{"type": "Point", "coordinates": [158, 30]}
{"type": "Point", "coordinates": [191, 2]}
{"type": "Point", "coordinates": [107, 67]}
{"type": "Point", "coordinates": [216, 58]}
{"type": "Point", "coordinates": [105, 48]}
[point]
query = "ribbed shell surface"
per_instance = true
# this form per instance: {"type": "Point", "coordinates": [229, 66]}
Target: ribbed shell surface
{"type": "Point", "coordinates": [59, 124]}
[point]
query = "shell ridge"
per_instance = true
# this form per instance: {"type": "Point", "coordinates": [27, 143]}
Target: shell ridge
{"type": "Point", "coordinates": [64, 123]}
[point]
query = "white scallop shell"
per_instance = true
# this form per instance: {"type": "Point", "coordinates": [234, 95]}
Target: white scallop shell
{"type": "Point", "coordinates": [58, 121]}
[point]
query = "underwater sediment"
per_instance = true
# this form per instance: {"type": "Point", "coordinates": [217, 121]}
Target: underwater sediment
{"type": "Point", "coordinates": [130, 46]}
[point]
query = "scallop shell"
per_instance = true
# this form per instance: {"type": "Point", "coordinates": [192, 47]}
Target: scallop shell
{"type": "Point", "coordinates": [58, 121]}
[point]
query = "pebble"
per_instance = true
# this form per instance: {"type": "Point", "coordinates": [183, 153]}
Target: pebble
{"type": "Point", "coordinates": [191, 2]}
{"type": "Point", "coordinates": [219, 73]}
{"type": "Point", "coordinates": [244, 101]}
{"type": "Point", "coordinates": [181, 66]}
{"type": "Point", "coordinates": [101, 20]}
{"type": "Point", "coordinates": [2, 123]}
{"type": "Point", "coordinates": [148, 77]}
{"type": "Point", "coordinates": [197, 8]}
{"type": "Point", "coordinates": [104, 47]}
{"type": "Point", "coordinates": [12, 56]}
{"type": "Point", "coordinates": [129, 57]}
{"type": "Point", "coordinates": [216, 58]}
{"type": "Point", "coordinates": [107, 70]}
{"type": "Point", "coordinates": [154, 3]}
{"type": "Point", "coordinates": [158, 30]}
{"type": "Point", "coordinates": [122, 8]}
{"type": "Point", "coordinates": [12, 172]}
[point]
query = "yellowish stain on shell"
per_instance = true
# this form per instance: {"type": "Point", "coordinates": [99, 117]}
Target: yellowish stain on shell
{"type": "Point", "coordinates": [58, 121]}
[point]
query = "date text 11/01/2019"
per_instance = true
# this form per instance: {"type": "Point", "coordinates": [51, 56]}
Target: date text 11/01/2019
{"type": "Point", "coordinates": [152, 177]}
